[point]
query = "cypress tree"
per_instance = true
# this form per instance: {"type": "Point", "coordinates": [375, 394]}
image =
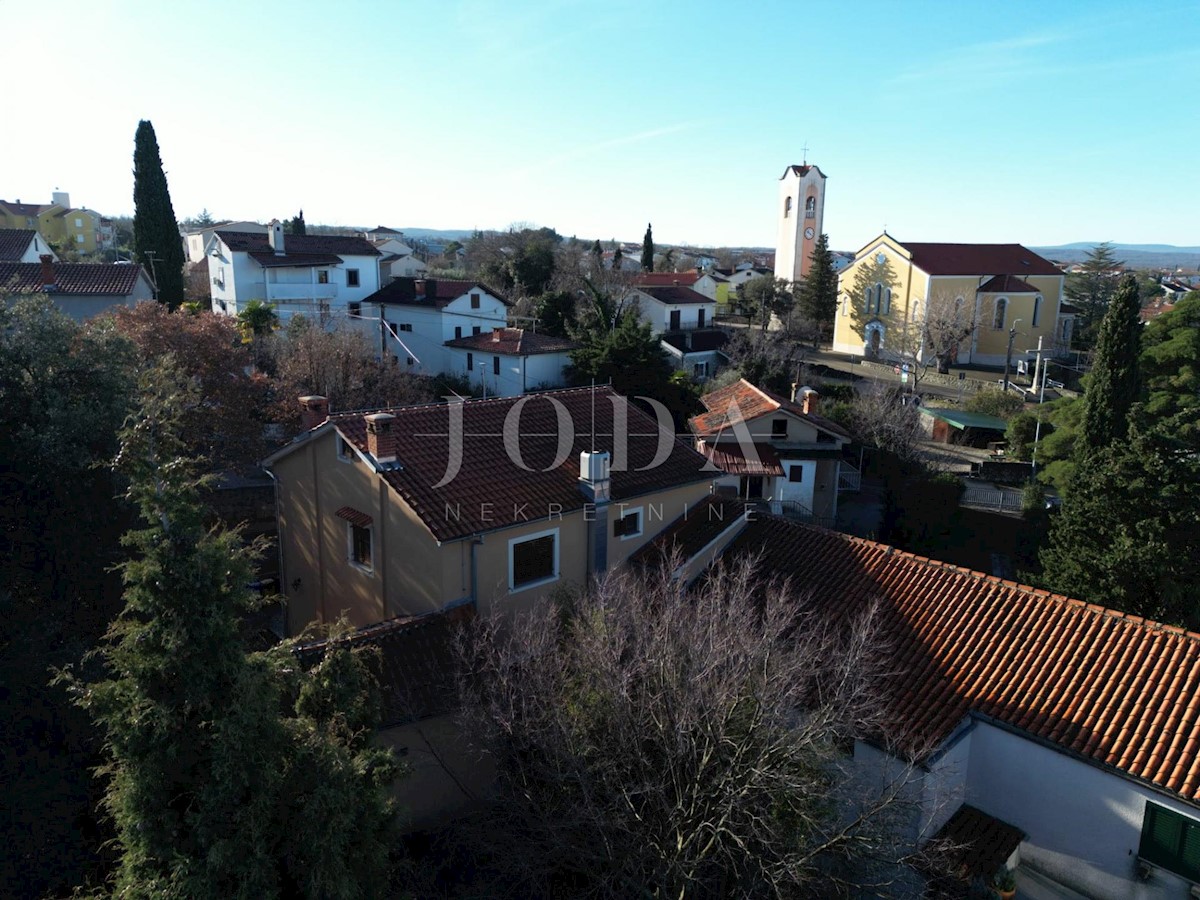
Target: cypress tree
{"type": "Point", "coordinates": [156, 242]}
{"type": "Point", "coordinates": [296, 225]}
{"type": "Point", "coordinates": [648, 251]}
{"type": "Point", "coordinates": [618, 258]}
{"type": "Point", "coordinates": [817, 298]}
{"type": "Point", "coordinates": [1115, 382]}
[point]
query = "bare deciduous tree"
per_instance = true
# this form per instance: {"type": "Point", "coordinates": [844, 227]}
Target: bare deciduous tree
{"type": "Point", "coordinates": [654, 741]}
{"type": "Point", "coordinates": [880, 419]}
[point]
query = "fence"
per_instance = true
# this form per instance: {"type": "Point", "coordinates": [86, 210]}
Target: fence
{"type": "Point", "coordinates": [991, 499]}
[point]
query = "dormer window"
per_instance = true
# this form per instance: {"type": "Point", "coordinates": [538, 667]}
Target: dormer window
{"type": "Point", "coordinates": [779, 429]}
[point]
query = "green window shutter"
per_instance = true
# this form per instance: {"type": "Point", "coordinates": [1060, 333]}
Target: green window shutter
{"type": "Point", "coordinates": [1171, 841]}
{"type": "Point", "coordinates": [1191, 851]}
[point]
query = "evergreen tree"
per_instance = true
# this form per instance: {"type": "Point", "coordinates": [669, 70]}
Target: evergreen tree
{"type": "Point", "coordinates": [817, 297]}
{"type": "Point", "coordinates": [1092, 290]}
{"type": "Point", "coordinates": [230, 774]}
{"type": "Point", "coordinates": [156, 242]}
{"type": "Point", "coordinates": [295, 225]}
{"type": "Point", "coordinates": [648, 251]}
{"type": "Point", "coordinates": [597, 256]}
{"type": "Point", "coordinates": [1114, 384]}
{"type": "Point", "coordinates": [618, 258]}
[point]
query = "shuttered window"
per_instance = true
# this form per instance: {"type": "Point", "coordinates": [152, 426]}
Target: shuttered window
{"type": "Point", "coordinates": [535, 559]}
{"type": "Point", "coordinates": [1171, 841]}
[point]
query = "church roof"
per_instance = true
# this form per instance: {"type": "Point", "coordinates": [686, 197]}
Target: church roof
{"type": "Point", "coordinates": [801, 171]}
{"type": "Point", "coordinates": [978, 259]}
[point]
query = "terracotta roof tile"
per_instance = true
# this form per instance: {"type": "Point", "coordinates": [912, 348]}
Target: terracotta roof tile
{"type": "Point", "coordinates": [1119, 690]}
{"type": "Point", "coordinates": [752, 402]}
{"type": "Point", "coordinates": [978, 259]}
{"type": "Point", "coordinates": [514, 342]}
{"type": "Point", "coordinates": [14, 242]}
{"type": "Point", "coordinates": [730, 459]}
{"type": "Point", "coordinates": [491, 490]}
{"type": "Point", "coordinates": [71, 278]}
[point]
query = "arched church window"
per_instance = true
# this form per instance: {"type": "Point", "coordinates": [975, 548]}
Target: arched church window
{"type": "Point", "coordinates": [787, 207]}
{"type": "Point", "coordinates": [1001, 313]}
{"type": "Point", "coordinates": [887, 301]}
{"type": "Point", "coordinates": [916, 310]}
{"type": "Point", "coordinates": [810, 208]}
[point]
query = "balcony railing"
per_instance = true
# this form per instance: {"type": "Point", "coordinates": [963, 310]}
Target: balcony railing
{"type": "Point", "coordinates": [849, 478]}
{"type": "Point", "coordinates": [291, 293]}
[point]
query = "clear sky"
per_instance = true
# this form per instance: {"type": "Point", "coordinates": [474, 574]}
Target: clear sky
{"type": "Point", "coordinates": [1039, 122]}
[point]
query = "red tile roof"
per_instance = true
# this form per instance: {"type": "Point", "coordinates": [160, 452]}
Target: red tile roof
{"type": "Point", "coordinates": [978, 259]}
{"type": "Point", "coordinates": [1007, 284]}
{"type": "Point", "coordinates": [71, 278]}
{"type": "Point", "coordinates": [752, 402]}
{"type": "Point", "coordinates": [1118, 690]}
{"type": "Point", "coordinates": [14, 242]}
{"type": "Point", "coordinates": [666, 279]}
{"type": "Point", "coordinates": [674, 294]}
{"type": "Point", "coordinates": [731, 459]}
{"type": "Point", "coordinates": [327, 244]}
{"type": "Point", "coordinates": [514, 342]}
{"type": "Point", "coordinates": [492, 491]}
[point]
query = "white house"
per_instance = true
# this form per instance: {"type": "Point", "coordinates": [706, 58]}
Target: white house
{"type": "Point", "coordinates": [23, 245]}
{"type": "Point", "coordinates": [507, 362]}
{"type": "Point", "coordinates": [421, 315]}
{"type": "Point", "coordinates": [81, 290]}
{"type": "Point", "coordinates": [1070, 729]}
{"type": "Point", "coordinates": [673, 307]}
{"type": "Point", "coordinates": [199, 241]}
{"type": "Point", "coordinates": [311, 275]}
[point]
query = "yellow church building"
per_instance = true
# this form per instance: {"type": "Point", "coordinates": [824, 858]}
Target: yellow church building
{"type": "Point", "coordinates": [901, 301]}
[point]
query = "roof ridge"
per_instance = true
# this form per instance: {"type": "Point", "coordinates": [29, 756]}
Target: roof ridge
{"type": "Point", "coordinates": [369, 410]}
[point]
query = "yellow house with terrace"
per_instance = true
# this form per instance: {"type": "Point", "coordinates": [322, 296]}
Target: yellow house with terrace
{"type": "Point", "coordinates": [897, 299]}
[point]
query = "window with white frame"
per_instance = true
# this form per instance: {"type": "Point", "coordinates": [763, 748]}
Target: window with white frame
{"type": "Point", "coordinates": [360, 546]}
{"type": "Point", "coordinates": [628, 524]}
{"type": "Point", "coordinates": [533, 560]}
{"type": "Point", "coordinates": [1001, 313]}
{"type": "Point", "coordinates": [79, 223]}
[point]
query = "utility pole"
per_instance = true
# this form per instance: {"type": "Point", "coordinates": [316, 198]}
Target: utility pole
{"type": "Point", "coordinates": [1037, 366]}
{"type": "Point", "coordinates": [1012, 336]}
{"type": "Point", "coordinates": [1037, 431]}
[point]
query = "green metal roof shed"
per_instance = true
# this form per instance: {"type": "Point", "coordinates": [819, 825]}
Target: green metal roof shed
{"type": "Point", "coordinates": [961, 419]}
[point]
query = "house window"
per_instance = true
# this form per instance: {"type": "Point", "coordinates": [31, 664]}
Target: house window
{"type": "Point", "coordinates": [778, 429]}
{"type": "Point", "coordinates": [787, 207]}
{"type": "Point", "coordinates": [495, 365]}
{"type": "Point", "coordinates": [405, 326]}
{"type": "Point", "coordinates": [79, 223]}
{"type": "Point", "coordinates": [532, 560]}
{"type": "Point", "coordinates": [795, 474]}
{"type": "Point", "coordinates": [322, 276]}
{"type": "Point", "coordinates": [1001, 313]}
{"type": "Point", "coordinates": [345, 452]}
{"type": "Point", "coordinates": [700, 317]}
{"type": "Point", "coordinates": [1037, 310]}
{"type": "Point", "coordinates": [810, 208]}
{"type": "Point", "coordinates": [457, 332]}
{"type": "Point", "coordinates": [700, 370]}
{"type": "Point", "coordinates": [474, 301]}
{"type": "Point", "coordinates": [79, 238]}
{"type": "Point", "coordinates": [629, 525]}
{"type": "Point", "coordinates": [360, 546]}
{"type": "Point", "coordinates": [475, 329]}
{"type": "Point", "coordinates": [675, 319]}
{"type": "Point", "coordinates": [354, 308]}
{"type": "Point", "coordinates": [352, 278]}
{"type": "Point", "coordinates": [408, 360]}
{"type": "Point", "coordinates": [1171, 841]}
{"type": "Point", "coordinates": [470, 362]}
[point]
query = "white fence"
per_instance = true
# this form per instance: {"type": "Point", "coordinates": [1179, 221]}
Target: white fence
{"type": "Point", "coordinates": [989, 498]}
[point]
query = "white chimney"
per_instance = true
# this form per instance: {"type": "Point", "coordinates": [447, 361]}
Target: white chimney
{"type": "Point", "coordinates": [593, 475]}
{"type": "Point", "coordinates": [275, 236]}
{"type": "Point", "coordinates": [62, 198]}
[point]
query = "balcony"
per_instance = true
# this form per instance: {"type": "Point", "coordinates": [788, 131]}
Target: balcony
{"type": "Point", "coordinates": [302, 293]}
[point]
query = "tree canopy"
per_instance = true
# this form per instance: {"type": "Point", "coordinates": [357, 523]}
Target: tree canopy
{"type": "Point", "coordinates": [816, 297]}
{"type": "Point", "coordinates": [1114, 384]}
{"type": "Point", "coordinates": [765, 297]}
{"type": "Point", "coordinates": [1092, 289]}
{"type": "Point", "coordinates": [156, 243]}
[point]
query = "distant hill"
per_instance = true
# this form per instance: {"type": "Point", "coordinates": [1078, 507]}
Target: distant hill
{"type": "Point", "coordinates": [443, 234]}
{"type": "Point", "coordinates": [1137, 256]}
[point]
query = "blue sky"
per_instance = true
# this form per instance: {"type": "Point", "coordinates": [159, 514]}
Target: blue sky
{"type": "Point", "coordinates": [1041, 123]}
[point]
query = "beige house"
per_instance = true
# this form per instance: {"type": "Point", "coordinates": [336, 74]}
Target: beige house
{"type": "Point", "coordinates": [896, 294]}
{"type": "Point", "coordinates": [495, 503]}
{"type": "Point", "coordinates": [780, 453]}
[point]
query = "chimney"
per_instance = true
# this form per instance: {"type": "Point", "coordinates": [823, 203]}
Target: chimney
{"type": "Point", "coordinates": [275, 236]}
{"type": "Point", "coordinates": [314, 410]}
{"type": "Point", "coordinates": [47, 271]}
{"type": "Point", "coordinates": [593, 475]}
{"type": "Point", "coordinates": [810, 402]}
{"type": "Point", "coordinates": [62, 198]}
{"type": "Point", "coordinates": [381, 443]}
{"type": "Point", "coordinates": [429, 289]}
{"type": "Point", "coordinates": [497, 333]}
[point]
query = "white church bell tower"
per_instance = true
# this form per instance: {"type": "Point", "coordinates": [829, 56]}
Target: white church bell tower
{"type": "Point", "coordinates": [801, 213]}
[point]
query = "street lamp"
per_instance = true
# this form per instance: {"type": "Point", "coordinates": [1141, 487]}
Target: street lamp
{"type": "Point", "coordinates": [1012, 336]}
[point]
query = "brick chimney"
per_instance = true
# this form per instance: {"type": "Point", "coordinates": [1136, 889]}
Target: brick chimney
{"type": "Point", "coordinates": [497, 334]}
{"type": "Point", "coordinates": [314, 410]}
{"type": "Point", "coordinates": [428, 288]}
{"type": "Point", "coordinates": [47, 271]}
{"type": "Point", "coordinates": [381, 442]}
{"type": "Point", "coordinates": [810, 402]}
